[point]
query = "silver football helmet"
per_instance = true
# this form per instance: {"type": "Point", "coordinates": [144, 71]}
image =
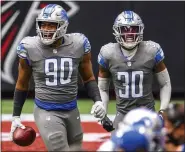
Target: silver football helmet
{"type": "Point", "coordinates": [152, 121]}
{"type": "Point", "coordinates": [128, 29]}
{"type": "Point", "coordinates": [55, 14]}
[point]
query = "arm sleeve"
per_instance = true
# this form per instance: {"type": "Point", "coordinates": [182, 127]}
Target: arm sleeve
{"type": "Point", "coordinates": [93, 91]}
{"type": "Point", "coordinates": [19, 100]}
{"type": "Point", "coordinates": [103, 84]}
{"type": "Point", "coordinates": [163, 79]}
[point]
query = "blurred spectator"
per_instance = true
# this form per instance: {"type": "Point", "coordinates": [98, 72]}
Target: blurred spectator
{"type": "Point", "coordinates": [174, 124]}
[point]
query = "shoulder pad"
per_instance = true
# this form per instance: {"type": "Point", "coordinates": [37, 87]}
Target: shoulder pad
{"type": "Point", "coordinates": [156, 51]}
{"type": "Point", "coordinates": [106, 50]}
{"type": "Point", "coordinates": [82, 40]}
{"type": "Point", "coordinates": [23, 46]}
{"type": "Point", "coordinates": [27, 40]}
{"type": "Point", "coordinates": [105, 54]}
{"type": "Point", "coordinates": [152, 44]}
{"type": "Point", "coordinates": [108, 45]}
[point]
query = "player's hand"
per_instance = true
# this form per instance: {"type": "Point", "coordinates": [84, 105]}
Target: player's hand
{"type": "Point", "coordinates": [107, 124]}
{"type": "Point", "coordinates": [98, 110]}
{"type": "Point", "coordinates": [16, 122]}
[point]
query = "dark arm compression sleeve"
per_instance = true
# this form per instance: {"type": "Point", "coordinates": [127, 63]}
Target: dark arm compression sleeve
{"type": "Point", "coordinates": [19, 99]}
{"type": "Point", "coordinates": [93, 90]}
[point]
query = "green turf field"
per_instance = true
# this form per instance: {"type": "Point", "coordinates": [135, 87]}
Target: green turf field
{"type": "Point", "coordinates": [84, 106]}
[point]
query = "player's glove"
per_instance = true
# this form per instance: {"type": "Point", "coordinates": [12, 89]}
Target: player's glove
{"type": "Point", "coordinates": [107, 124]}
{"type": "Point", "coordinates": [16, 122]}
{"type": "Point", "coordinates": [160, 113]}
{"type": "Point", "coordinates": [98, 110]}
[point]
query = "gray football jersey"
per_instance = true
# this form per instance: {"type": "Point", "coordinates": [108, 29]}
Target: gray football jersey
{"type": "Point", "coordinates": [132, 78]}
{"type": "Point", "coordinates": [55, 71]}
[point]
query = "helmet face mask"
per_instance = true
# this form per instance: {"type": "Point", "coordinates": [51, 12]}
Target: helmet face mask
{"type": "Point", "coordinates": [53, 14]}
{"type": "Point", "coordinates": [128, 29]}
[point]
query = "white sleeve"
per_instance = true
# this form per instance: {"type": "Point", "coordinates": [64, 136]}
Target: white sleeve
{"type": "Point", "coordinates": [103, 84]}
{"type": "Point", "coordinates": [163, 79]}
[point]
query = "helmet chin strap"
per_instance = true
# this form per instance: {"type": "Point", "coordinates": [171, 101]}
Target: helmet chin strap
{"type": "Point", "coordinates": [129, 49]}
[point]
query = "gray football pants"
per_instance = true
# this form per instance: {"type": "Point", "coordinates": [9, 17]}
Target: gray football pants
{"type": "Point", "coordinates": [60, 130]}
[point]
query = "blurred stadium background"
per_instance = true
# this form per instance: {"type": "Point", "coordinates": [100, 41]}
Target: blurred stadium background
{"type": "Point", "coordinates": [164, 23]}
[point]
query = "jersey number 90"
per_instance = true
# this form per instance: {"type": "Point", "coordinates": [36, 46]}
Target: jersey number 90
{"type": "Point", "coordinates": [58, 75]}
{"type": "Point", "coordinates": [132, 84]}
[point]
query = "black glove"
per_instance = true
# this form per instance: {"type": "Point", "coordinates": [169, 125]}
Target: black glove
{"type": "Point", "coordinates": [107, 124]}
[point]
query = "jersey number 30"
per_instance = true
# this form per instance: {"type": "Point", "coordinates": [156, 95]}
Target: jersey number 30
{"type": "Point", "coordinates": [61, 74]}
{"type": "Point", "coordinates": [132, 84]}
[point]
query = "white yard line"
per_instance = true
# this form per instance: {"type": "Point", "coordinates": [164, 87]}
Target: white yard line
{"type": "Point", "coordinates": [87, 137]}
{"type": "Point", "coordinates": [29, 117]}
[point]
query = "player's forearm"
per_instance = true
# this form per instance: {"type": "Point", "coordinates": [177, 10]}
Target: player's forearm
{"type": "Point", "coordinates": [93, 91]}
{"type": "Point", "coordinates": [103, 84]}
{"type": "Point", "coordinates": [165, 95]}
{"type": "Point", "coordinates": [165, 88]}
{"type": "Point", "coordinates": [19, 100]}
{"type": "Point", "coordinates": [105, 98]}
{"type": "Point", "coordinates": [24, 85]}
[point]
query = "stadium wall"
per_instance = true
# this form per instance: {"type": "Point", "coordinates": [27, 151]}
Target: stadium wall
{"type": "Point", "coordinates": [164, 24]}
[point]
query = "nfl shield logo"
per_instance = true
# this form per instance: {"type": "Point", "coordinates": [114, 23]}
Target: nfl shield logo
{"type": "Point", "coordinates": [129, 63]}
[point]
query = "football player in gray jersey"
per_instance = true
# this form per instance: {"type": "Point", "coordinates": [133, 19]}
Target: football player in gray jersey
{"type": "Point", "coordinates": [55, 59]}
{"type": "Point", "coordinates": [131, 63]}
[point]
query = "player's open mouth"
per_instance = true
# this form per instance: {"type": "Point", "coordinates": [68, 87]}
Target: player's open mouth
{"type": "Point", "coordinates": [48, 36]}
{"type": "Point", "coordinates": [129, 38]}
